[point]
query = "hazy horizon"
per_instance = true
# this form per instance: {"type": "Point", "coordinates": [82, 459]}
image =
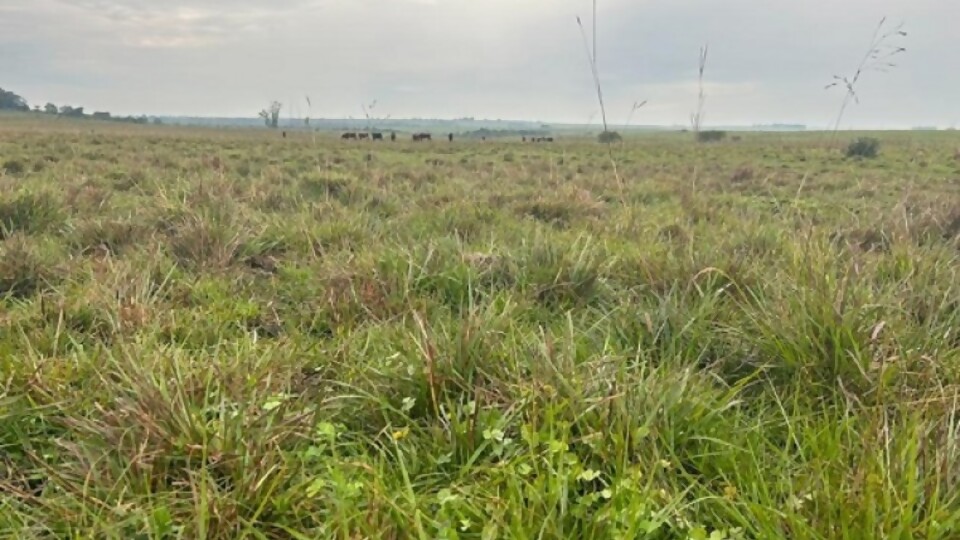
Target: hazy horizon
{"type": "Point", "coordinates": [509, 59]}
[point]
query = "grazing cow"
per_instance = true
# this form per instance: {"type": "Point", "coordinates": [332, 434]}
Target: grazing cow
{"type": "Point", "coordinates": [377, 136]}
{"type": "Point", "coordinates": [364, 136]}
{"type": "Point", "coordinates": [393, 136]}
{"type": "Point", "coordinates": [422, 137]}
{"type": "Point", "coordinates": [348, 136]}
{"type": "Point", "coordinates": [284, 134]}
{"type": "Point", "coordinates": [450, 137]}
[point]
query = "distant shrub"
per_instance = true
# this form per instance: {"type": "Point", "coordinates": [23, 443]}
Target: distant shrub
{"type": "Point", "coordinates": [712, 135]}
{"type": "Point", "coordinates": [864, 147]}
{"type": "Point", "coordinates": [608, 137]}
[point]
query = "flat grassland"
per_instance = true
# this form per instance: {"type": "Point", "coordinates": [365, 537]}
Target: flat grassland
{"type": "Point", "coordinates": [226, 334]}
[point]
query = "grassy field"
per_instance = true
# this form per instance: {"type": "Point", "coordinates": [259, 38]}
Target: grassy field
{"type": "Point", "coordinates": [214, 334]}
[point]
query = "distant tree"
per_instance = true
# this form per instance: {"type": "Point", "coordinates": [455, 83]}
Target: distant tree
{"type": "Point", "coordinates": [101, 115]}
{"type": "Point", "coordinates": [36, 108]}
{"type": "Point", "coordinates": [271, 116]}
{"type": "Point", "coordinates": [12, 102]}
{"type": "Point", "coordinates": [50, 108]}
{"type": "Point", "coordinates": [73, 112]}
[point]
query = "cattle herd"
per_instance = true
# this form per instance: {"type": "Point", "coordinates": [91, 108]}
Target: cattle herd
{"type": "Point", "coordinates": [417, 137]}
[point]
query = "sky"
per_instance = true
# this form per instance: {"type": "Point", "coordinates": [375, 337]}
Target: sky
{"type": "Point", "coordinates": [769, 60]}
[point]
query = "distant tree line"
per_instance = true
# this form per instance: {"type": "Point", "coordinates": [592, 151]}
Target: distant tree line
{"type": "Point", "coordinates": [10, 101]}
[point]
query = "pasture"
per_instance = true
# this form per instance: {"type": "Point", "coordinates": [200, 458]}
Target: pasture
{"type": "Point", "coordinates": [229, 334]}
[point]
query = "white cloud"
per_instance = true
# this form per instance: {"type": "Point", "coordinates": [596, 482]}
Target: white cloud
{"type": "Point", "coordinates": [493, 58]}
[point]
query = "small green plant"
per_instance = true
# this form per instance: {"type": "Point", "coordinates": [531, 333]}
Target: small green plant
{"type": "Point", "coordinates": [863, 147]}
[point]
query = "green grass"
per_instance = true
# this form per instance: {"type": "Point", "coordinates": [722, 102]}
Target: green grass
{"type": "Point", "coordinates": [214, 334]}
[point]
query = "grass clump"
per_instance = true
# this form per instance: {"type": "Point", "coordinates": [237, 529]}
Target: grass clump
{"type": "Point", "coordinates": [863, 147]}
{"type": "Point", "coordinates": [14, 167]}
{"type": "Point", "coordinates": [25, 267]}
{"type": "Point", "coordinates": [30, 213]}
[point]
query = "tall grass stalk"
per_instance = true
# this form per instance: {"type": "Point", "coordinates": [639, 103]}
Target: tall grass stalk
{"type": "Point", "coordinates": [592, 58]}
{"type": "Point", "coordinates": [696, 119]}
{"type": "Point", "coordinates": [878, 57]}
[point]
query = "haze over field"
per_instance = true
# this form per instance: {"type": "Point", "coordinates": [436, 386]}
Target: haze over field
{"type": "Point", "coordinates": [490, 59]}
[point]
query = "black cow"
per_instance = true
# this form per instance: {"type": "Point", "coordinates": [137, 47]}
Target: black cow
{"type": "Point", "coordinates": [393, 136]}
{"type": "Point", "coordinates": [450, 137]}
{"type": "Point", "coordinates": [348, 136]}
{"type": "Point", "coordinates": [377, 136]}
{"type": "Point", "coordinates": [422, 137]}
{"type": "Point", "coordinates": [363, 136]}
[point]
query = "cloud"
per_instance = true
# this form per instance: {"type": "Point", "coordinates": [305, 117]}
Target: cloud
{"type": "Point", "coordinates": [495, 58]}
{"type": "Point", "coordinates": [181, 23]}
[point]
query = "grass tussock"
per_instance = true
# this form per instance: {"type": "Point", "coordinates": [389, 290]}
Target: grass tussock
{"type": "Point", "coordinates": [219, 335]}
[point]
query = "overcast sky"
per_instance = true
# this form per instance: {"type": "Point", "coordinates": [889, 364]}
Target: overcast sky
{"type": "Point", "coordinates": [518, 59]}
